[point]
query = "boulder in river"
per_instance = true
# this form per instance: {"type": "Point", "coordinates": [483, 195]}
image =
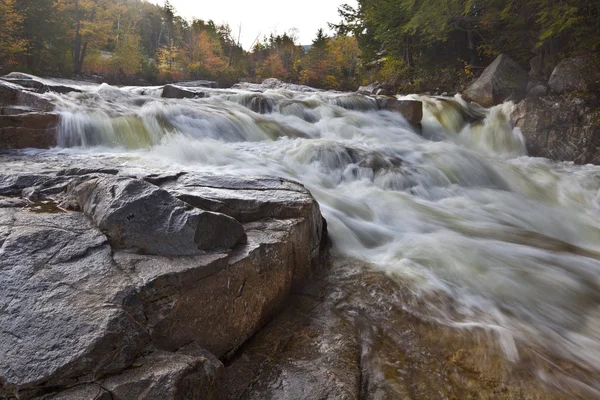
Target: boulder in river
{"type": "Point", "coordinates": [84, 319]}
{"type": "Point", "coordinates": [502, 80]}
{"type": "Point", "coordinates": [174, 92]}
{"type": "Point", "coordinates": [560, 128]}
{"type": "Point", "coordinates": [578, 74]}
{"type": "Point", "coordinates": [412, 110]}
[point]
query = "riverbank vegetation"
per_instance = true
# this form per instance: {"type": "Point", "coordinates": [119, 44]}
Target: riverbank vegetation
{"type": "Point", "coordinates": [425, 42]}
{"type": "Point", "coordinates": [415, 45]}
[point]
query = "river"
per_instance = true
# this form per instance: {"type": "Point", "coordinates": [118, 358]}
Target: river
{"type": "Point", "coordinates": [479, 238]}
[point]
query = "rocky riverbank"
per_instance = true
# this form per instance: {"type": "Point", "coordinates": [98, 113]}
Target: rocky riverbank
{"type": "Point", "coordinates": [120, 284]}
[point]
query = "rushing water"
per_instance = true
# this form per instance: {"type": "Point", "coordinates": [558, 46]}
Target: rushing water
{"type": "Point", "coordinates": [457, 212]}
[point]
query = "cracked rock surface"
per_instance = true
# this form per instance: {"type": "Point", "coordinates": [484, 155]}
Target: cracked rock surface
{"type": "Point", "coordinates": [90, 314]}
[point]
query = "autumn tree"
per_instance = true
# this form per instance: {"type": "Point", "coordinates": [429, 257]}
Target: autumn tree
{"type": "Point", "coordinates": [90, 25]}
{"type": "Point", "coordinates": [11, 24]}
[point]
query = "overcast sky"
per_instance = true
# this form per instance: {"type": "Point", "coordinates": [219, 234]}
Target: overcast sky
{"type": "Point", "coordinates": [261, 17]}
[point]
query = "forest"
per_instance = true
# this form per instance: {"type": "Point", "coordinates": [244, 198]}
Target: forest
{"type": "Point", "coordinates": [412, 44]}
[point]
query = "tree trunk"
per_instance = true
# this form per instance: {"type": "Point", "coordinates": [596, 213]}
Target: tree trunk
{"type": "Point", "coordinates": [409, 53]}
{"type": "Point", "coordinates": [472, 48]}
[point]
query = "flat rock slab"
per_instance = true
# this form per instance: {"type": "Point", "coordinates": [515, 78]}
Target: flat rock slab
{"type": "Point", "coordinates": [82, 318]}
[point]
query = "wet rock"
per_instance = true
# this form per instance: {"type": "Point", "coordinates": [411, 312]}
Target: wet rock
{"type": "Point", "coordinates": [83, 320]}
{"type": "Point", "coordinates": [502, 80]}
{"type": "Point", "coordinates": [412, 110]}
{"type": "Point", "coordinates": [67, 317]}
{"type": "Point", "coordinates": [167, 376]}
{"type": "Point", "coordinates": [36, 84]}
{"type": "Point", "coordinates": [560, 128]}
{"type": "Point", "coordinates": [136, 214]}
{"type": "Point", "coordinates": [28, 130]}
{"type": "Point", "coordinates": [204, 84]}
{"type": "Point", "coordinates": [259, 198]}
{"type": "Point", "coordinates": [575, 74]}
{"type": "Point", "coordinates": [14, 95]}
{"type": "Point", "coordinates": [174, 92]}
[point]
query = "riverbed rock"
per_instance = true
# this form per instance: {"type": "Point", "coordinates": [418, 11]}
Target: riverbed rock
{"type": "Point", "coordinates": [136, 214]}
{"type": "Point", "coordinates": [575, 74]}
{"type": "Point", "coordinates": [201, 83]}
{"type": "Point", "coordinates": [164, 375]}
{"type": "Point", "coordinates": [560, 128]}
{"type": "Point", "coordinates": [37, 130]}
{"type": "Point", "coordinates": [36, 84]}
{"type": "Point", "coordinates": [502, 80]}
{"type": "Point", "coordinates": [15, 95]}
{"type": "Point", "coordinates": [174, 92]}
{"type": "Point", "coordinates": [412, 110]}
{"type": "Point", "coordinates": [64, 317]}
{"type": "Point", "coordinates": [84, 319]}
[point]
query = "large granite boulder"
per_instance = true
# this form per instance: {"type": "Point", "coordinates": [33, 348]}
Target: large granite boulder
{"type": "Point", "coordinates": [136, 214]}
{"type": "Point", "coordinates": [84, 319]}
{"type": "Point", "coordinates": [502, 80]}
{"type": "Point", "coordinates": [67, 314]}
{"type": "Point", "coordinates": [575, 74]}
{"type": "Point", "coordinates": [36, 130]}
{"type": "Point", "coordinates": [37, 84]}
{"type": "Point", "coordinates": [560, 128]}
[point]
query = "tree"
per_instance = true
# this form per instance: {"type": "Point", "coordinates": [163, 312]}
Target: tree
{"type": "Point", "coordinates": [11, 24]}
{"type": "Point", "coordinates": [89, 23]}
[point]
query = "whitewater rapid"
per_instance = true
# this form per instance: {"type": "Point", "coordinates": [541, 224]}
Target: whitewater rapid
{"type": "Point", "coordinates": [458, 210]}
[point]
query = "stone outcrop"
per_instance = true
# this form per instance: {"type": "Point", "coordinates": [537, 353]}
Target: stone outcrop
{"type": "Point", "coordinates": [37, 84]}
{"type": "Point", "coordinates": [575, 74]}
{"type": "Point", "coordinates": [560, 128]}
{"type": "Point", "coordinates": [15, 95]}
{"type": "Point", "coordinates": [501, 81]}
{"type": "Point", "coordinates": [84, 319]}
{"type": "Point", "coordinates": [174, 92]}
{"type": "Point", "coordinates": [20, 131]}
{"type": "Point", "coordinates": [135, 214]}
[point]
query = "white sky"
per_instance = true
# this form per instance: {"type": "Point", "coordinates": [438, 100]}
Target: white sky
{"type": "Point", "coordinates": [261, 17]}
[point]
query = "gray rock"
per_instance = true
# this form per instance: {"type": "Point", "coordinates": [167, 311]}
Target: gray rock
{"type": "Point", "coordinates": [174, 92]}
{"type": "Point", "coordinates": [168, 376]}
{"type": "Point", "coordinates": [64, 319]}
{"type": "Point", "coordinates": [136, 214]}
{"type": "Point", "coordinates": [502, 80]}
{"type": "Point", "coordinates": [15, 95]}
{"type": "Point", "coordinates": [560, 128]}
{"type": "Point", "coordinates": [82, 392]}
{"type": "Point", "coordinates": [204, 84]}
{"type": "Point", "coordinates": [574, 74]}
{"type": "Point", "coordinates": [81, 320]}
